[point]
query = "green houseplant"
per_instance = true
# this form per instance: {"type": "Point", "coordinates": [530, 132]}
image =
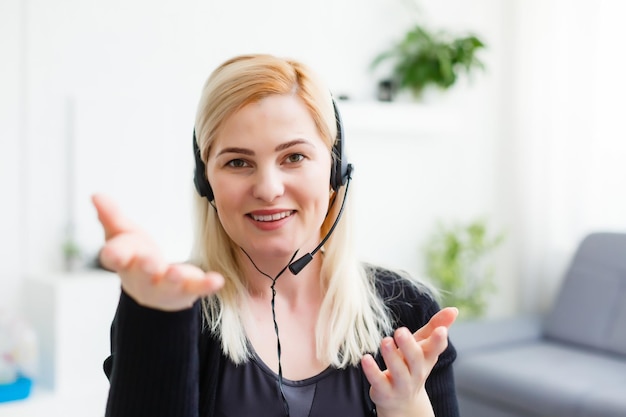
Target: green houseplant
{"type": "Point", "coordinates": [424, 58]}
{"type": "Point", "coordinates": [458, 264]}
{"type": "Point", "coordinates": [72, 255]}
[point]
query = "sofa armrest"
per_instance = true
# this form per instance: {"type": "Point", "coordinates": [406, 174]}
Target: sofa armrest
{"type": "Point", "coordinates": [467, 336]}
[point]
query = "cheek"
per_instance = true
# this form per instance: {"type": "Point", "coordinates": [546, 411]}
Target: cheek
{"type": "Point", "coordinates": [321, 199]}
{"type": "Point", "coordinates": [228, 197]}
{"type": "Point", "coordinates": [321, 189]}
{"type": "Point", "coordinates": [227, 205]}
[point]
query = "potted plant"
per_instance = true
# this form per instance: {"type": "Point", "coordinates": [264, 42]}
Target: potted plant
{"type": "Point", "coordinates": [423, 59]}
{"type": "Point", "coordinates": [72, 255]}
{"type": "Point", "coordinates": [457, 262]}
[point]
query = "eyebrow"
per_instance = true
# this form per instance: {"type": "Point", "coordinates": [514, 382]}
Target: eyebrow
{"type": "Point", "coordinates": [281, 147]}
{"type": "Point", "coordinates": [291, 143]}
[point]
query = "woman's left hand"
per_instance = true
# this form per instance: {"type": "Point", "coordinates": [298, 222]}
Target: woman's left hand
{"type": "Point", "coordinates": [399, 390]}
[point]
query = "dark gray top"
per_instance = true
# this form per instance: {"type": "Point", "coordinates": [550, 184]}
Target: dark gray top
{"type": "Point", "coordinates": [165, 364]}
{"type": "Point", "coordinates": [252, 389]}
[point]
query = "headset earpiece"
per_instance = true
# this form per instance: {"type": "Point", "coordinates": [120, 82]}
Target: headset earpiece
{"type": "Point", "coordinates": [340, 169]}
{"type": "Point", "coordinates": [199, 178]}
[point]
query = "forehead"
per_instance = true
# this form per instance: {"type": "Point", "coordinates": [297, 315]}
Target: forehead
{"type": "Point", "coordinates": [269, 121]}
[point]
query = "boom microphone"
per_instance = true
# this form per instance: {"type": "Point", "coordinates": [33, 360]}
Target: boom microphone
{"type": "Point", "coordinates": [296, 266]}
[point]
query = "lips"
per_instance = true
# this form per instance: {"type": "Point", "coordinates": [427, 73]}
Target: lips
{"type": "Point", "coordinates": [271, 217]}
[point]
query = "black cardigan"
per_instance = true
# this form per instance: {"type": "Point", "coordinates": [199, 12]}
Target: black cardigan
{"type": "Point", "coordinates": [161, 365]}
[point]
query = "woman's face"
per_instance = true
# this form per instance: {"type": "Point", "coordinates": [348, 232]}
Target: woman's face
{"type": "Point", "coordinates": [270, 173]}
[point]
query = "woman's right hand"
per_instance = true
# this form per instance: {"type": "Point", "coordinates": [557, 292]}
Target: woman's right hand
{"type": "Point", "coordinates": [145, 275]}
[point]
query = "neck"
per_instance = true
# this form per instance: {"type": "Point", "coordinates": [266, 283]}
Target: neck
{"type": "Point", "coordinates": [260, 275]}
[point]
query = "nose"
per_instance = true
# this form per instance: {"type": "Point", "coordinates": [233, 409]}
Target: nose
{"type": "Point", "coordinates": [268, 184]}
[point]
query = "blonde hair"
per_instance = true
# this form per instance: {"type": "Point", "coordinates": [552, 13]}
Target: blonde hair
{"type": "Point", "coordinates": [352, 319]}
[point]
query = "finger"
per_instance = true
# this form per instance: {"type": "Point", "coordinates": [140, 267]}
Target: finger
{"type": "Point", "coordinates": [143, 279]}
{"type": "Point", "coordinates": [436, 343]}
{"type": "Point", "coordinates": [413, 356]}
{"type": "Point", "coordinates": [114, 259]}
{"type": "Point", "coordinates": [118, 252]}
{"type": "Point", "coordinates": [374, 375]}
{"type": "Point", "coordinates": [151, 266]}
{"type": "Point", "coordinates": [111, 218]}
{"type": "Point", "coordinates": [443, 318]}
{"type": "Point", "coordinates": [421, 356]}
{"type": "Point", "coordinates": [397, 368]}
{"type": "Point", "coordinates": [153, 283]}
{"type": "Point", "coordinates": [194, 280]}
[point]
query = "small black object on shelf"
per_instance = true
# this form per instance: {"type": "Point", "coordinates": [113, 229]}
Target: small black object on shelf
{"type": "Point", "coordinates": [386, 90]}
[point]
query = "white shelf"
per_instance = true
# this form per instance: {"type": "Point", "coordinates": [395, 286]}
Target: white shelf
{"type": "Point", "coordinates": [71, 314]}
{"type": "Point", "coordinates": [399, 119]}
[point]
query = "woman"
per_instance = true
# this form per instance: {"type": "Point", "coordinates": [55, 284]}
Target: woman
{"type": "Point", "coordinates": [260, 334]}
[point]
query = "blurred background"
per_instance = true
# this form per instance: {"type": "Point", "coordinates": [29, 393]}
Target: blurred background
{"type": "Point", "coordinates": [100, 96]}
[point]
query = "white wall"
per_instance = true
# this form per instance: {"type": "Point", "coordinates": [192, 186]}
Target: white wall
{"type": "Point", "coordinates": [568, 135]}
{"type": "Point", "coordinates": [121, 80]}
{"type": "Point", "coordinates": [11, 105]}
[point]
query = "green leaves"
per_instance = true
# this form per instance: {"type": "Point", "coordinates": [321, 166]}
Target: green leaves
{"type": "Point", "coordinates": [457, 262]}
{"type": "Point", "coordinates": [422, 58]}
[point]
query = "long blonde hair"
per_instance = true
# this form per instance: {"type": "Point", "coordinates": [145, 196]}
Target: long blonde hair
{"type": "Point", "coordinates": [352, 318]}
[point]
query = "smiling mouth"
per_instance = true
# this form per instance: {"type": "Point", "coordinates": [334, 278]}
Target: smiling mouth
{"type": "Point", "coordinates": [271, 217]}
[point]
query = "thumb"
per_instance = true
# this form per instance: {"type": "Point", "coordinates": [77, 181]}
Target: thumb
{"type": "Point", "coordinates": [111, 218]}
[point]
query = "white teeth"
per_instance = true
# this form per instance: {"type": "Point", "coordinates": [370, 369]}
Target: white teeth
{"type": "Point", "coordinates": [271, 217]}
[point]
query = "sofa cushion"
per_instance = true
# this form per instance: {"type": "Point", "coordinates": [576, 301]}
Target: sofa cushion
{"type": "Point", "coordinates": [617, 333]}
{"type": "Point", "coordinates": [608, 402]}
{"type": "Point", "coordinates": [471, 407]}
{"type": "Point", "coordinates": [481, 334]}
{"type": "Point", "coordinates": [590, 309]}
{"type": "Point", "coordinates": [540, 378]}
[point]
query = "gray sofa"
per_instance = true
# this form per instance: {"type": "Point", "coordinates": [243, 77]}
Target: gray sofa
{"type": "Point", "coordinates": [569, 363]}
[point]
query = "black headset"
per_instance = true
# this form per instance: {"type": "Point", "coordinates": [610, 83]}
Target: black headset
{"type": "Point", "coordinates": [339, 173]}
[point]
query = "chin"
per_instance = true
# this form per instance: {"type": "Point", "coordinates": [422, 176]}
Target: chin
{"type": "Point", "coordinates": [267, 250]}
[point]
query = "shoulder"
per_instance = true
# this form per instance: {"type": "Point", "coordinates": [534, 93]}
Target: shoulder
{"type": "Point", "coordinates": [398, 287]}
{"type": "Point", "coordinates": [410, 302]}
